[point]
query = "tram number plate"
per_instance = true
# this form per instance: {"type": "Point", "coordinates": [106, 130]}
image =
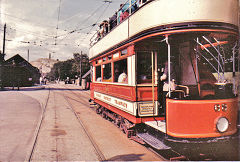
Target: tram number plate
{"type": "Point", "coordinates": [146, 109]}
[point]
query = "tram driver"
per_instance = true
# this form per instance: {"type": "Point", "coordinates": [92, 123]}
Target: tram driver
{"type": "Point", "coordinates": [166, 85]}
{"type": "Point", "coordinates": [164, 77]}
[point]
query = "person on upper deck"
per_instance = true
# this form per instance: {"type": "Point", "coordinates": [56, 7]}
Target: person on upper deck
{"type": "Point", "coordinates": [103, 28]}
{"type": "Point", "coordinates": [119, 14]}
{"type": "Point", "coordinates": [124, 15]}
{"type": "Point", "coordinates": [113, 21]}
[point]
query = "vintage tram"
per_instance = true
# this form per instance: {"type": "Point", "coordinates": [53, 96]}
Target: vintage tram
{"type": "Point", "coordinates": [170, 67]}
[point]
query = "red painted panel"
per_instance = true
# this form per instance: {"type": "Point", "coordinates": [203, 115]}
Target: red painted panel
{"type": "Point", "coordinates": [119, 91]}
{"type": "Point", "coordinates": [197, 119]}
{"type": "Point", "coordinates": [126, 92]}
{"type": "Point", "coordinates": [145, 93]}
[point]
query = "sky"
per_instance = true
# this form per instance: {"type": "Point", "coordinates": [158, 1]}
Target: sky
{"type": "Point", "coordinates": [56, 27]}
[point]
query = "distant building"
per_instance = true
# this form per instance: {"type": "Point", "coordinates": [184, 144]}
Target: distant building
{"type": "Point", "coordinates": [19, 72]}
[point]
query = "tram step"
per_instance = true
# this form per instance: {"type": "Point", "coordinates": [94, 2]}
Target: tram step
{"type": "Point", "coordinates": [153, 141]}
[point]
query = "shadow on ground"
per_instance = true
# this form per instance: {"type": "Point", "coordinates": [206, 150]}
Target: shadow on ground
{"type": "Point", "coordinates": [127, 157]}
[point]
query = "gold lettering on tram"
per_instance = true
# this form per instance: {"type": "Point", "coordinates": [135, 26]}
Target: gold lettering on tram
{"type": "Point", "coordinates": [120, 103]}
{"type": "Point", "coordinates": [107, 98]}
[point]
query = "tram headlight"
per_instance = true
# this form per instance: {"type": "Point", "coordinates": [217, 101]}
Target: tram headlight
{"type": "Point", "coordinates": [222, 124]}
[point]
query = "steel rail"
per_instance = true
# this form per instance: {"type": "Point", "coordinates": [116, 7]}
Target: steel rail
{"type": "Point", "coordinates": [98, 151]}
{"type": "Point", "coordinates": [38, 128]}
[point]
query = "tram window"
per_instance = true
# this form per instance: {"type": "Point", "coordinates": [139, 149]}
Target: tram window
{"type": "Point", "coordinates": [123, 52]}
{"type": "Point", "coordinates": [144, 68]}
{"type": "Point", "coordinates": [98, 74]}
{"type": "Point", "coordinates": [120, 71]}
{"type": "Point", "coordinates": [107, 73]}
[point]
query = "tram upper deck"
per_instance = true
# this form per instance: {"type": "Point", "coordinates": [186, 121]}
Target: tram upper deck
{"type": "Point", "coordinates": [157, 16]}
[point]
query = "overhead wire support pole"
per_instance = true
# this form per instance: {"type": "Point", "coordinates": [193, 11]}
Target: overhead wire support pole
{"type": "Point", "coordinates": [4, 39]}
{"type": "Point", "coordinates": [2, 57]}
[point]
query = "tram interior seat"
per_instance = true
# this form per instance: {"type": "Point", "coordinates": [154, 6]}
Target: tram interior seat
{"type": "Point", "coordinates": [177, 94]}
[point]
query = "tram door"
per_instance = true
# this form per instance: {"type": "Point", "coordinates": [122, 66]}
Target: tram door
{"type": "Point", "coordinates": [150, 68]}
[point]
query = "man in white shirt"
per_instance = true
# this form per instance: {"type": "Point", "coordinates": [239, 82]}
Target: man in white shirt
{"type": "Point", "coordinates": [123, 78]}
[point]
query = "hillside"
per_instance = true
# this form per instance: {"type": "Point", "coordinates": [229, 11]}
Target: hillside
{"type": "Point", "coordinates": [44, 65]}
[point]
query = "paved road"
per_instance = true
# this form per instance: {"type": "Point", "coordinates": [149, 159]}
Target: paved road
{"type": "Point", "coordinates": [61, 137]}
{"type": "Point", "coordinates": [19, 116]}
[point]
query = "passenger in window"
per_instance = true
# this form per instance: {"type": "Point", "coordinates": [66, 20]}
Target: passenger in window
{"type": "Point", "coordinates": [123, 77]}
{"type": "Point", "coordinates": [99, 79]}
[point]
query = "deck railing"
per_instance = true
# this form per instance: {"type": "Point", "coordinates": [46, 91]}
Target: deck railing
{"type": "Point", "coordinates": [119, 16]}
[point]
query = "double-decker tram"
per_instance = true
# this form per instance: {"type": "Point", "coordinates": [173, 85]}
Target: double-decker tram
{"type": "Point", "coordinates": [169, 70]}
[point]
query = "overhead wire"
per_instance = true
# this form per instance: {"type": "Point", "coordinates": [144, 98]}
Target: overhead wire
{"type": "Point", "coordinates": [23, 20]}
{"type": "Point", "coordinates": [84, 21]}
{"type": "Point", "coordinates": [79, 27]}
{"type": "Point", "coordinates": [59, 9]}
{"type": "Point", "coordinates": [95, 22]}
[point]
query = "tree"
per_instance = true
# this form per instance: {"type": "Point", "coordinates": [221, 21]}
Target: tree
{"type": "Point", "coordinates": [70, 68]}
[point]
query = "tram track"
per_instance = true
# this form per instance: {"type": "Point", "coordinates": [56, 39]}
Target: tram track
{"type": "Point", "coordinates": [30, 155]}
{"type": "Point", "coordinates": [99, 153]}
{"type": "Point", "coordinates": [37, 131]}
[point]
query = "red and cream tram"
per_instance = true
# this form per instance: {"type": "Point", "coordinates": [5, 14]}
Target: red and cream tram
{"type": "Point", "coordinates": [172, 67]}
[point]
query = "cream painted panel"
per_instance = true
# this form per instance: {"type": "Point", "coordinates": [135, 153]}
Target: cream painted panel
{"type": "Point", "coordinates": [119, 34]}
{"type": "Point", "coordinates": [131, 70]}
{"type": "Point", "coordinates": [124, 105]}
{"type": "Point", "coordinates": [162, 12]}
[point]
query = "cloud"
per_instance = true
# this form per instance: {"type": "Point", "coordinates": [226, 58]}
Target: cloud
{"type": "Point", "coordinates": [32, 24]}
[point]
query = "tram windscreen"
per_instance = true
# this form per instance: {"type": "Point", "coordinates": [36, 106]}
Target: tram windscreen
{"type": "Point", "coordinates": [208, 63]}
{"type": "Point", "coordinates": [144, 67]}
